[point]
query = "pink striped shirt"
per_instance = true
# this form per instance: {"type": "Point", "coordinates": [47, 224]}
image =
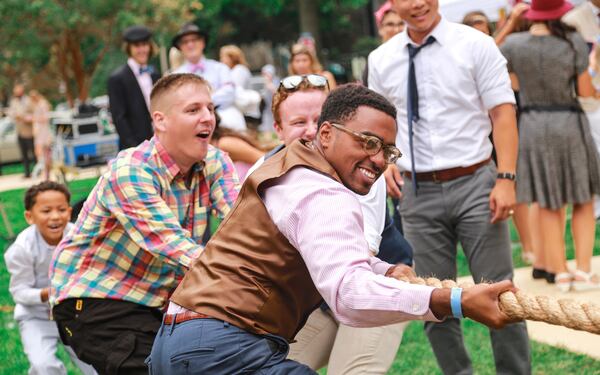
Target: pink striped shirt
{"type": "Point", "coordinates": [323, 220]}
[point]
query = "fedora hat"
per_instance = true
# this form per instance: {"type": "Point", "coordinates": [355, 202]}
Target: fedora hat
{"type": "Point", "coordinates": [137, 33]}
{"type": "Point", "coordinates": [187, 29]}
{"type": "Point", "coordinates": [546, 10]}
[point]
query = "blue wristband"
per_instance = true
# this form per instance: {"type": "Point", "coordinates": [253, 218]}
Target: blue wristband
{"type": "Point", "coordinates": [455, 302]}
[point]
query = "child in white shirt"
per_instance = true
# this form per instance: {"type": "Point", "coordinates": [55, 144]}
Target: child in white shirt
{"type": "Point", "coordinates": [47, 211]}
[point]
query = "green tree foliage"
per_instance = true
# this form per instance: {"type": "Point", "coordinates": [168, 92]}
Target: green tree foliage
{"type": "Point", "coordinates": [66, 40]}
{"type": "Point", "coordinates": [67, 48]}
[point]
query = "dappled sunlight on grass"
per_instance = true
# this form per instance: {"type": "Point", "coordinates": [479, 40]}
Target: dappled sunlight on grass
{"type": "Point", "coordinates": [415, 356]}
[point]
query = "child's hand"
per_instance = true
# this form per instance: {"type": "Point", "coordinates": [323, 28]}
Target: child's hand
{"type": "Point", "coordinates": [44, 294]}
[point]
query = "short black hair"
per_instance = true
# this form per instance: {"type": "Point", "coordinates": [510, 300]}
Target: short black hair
{"type": "Point", "coordinates": [33, 192]}
{"type": "Point", "coordinates": [343, 102]}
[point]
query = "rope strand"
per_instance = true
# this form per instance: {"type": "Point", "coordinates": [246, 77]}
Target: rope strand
{"type": "Point", "coordinates": [564, 312]}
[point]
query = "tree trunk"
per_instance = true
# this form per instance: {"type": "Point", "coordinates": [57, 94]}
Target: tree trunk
{"type": "Point", "coordinates": [62, 60]}
{"type": "Point", "coordinates": [77, 68]}
{"type": "Point", "coordinates": [309, 19]}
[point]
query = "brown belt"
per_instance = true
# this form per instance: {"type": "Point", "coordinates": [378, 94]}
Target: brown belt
{"type": "Point", "coordinates": [184, 317]}
{"type": "Point", "coordinates": [448, 174]}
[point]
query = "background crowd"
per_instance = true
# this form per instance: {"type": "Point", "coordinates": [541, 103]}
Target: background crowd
{"type": "Point", "coordinates": [546, 48]}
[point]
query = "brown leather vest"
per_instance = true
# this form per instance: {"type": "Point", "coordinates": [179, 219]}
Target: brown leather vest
{"type": "Point", "coordinates": [249, 274]}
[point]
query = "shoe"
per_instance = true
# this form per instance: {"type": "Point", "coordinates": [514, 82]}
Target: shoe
{"type": "Point", "coordinates": [550, 277]}
{"type": "Point", "coordinates": [563, 281]}
{"type": "Point", "coordinates": [585, 281]}
{"type": "Point", "coordinates": [538, 273]}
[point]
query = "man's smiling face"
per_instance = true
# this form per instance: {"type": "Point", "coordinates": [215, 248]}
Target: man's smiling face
{"type": "Point", "coordinates": [357, 169]}
{"type": "Point", "coordinates": [421, 16]}
{"type": "Point", "coordinates": [185, 122]}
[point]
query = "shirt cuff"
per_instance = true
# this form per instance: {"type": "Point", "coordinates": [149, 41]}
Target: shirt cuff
{"type": "Point", "coordinates": [430, 317]}
{"type": "Point", "coordinates": [31, 296]}
{"type": "Point", "coordinates": [497, 96]}
{"type": "Point", "coordinates": [378, 266]}
{"type": "Point", "coordinates": [421, 309]}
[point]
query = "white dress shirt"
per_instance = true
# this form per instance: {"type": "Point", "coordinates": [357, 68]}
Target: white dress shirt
{"type": "Point", "coordinates": [322, 219]}
{"type": "Point", "coordinates": [219, 77]}
{"type": "Point", "coordinates": [144, 80]}
{"type": "Point", "coordinates": [240, 75]}
{"type": "Point", "coordinates": [460, 77]}
{"type": "Point", "coordinates": [373, 207]}
{"type": "Point", "coordinates": [28, 261]}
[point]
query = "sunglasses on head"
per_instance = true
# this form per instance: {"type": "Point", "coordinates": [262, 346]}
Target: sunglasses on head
{"type": "Point", "coordinates": [314, 80]}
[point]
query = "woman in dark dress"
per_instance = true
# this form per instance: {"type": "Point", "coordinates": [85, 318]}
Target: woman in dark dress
{"type": "Point", "coordinates": [558, 164]}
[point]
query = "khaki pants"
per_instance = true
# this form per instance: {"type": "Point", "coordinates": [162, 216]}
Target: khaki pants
{"type": "Point", "coordinates": [345, 350]}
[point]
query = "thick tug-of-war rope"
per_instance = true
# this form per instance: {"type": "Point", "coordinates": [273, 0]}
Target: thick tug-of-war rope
{"type": "Point", "coordinates": [568, 313]}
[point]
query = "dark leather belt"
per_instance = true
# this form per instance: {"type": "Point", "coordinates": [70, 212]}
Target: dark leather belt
{"type": "Point", "coordinates": [184, 317]}
{"type": "Point", "coordinates": [448, 174]}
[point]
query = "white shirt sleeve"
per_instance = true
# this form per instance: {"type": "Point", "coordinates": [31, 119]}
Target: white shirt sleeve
{"type": "Point", "coordinates": [373, 76]}
{"type": "Point", "coordinates": [224, 95]}
{"type": "Point", "coordinates": [240, 75]}
{"type": "Point", "coordinates": [20, 264]}
{"type": "Point", "coordinates": [373, 207]}
{"type": "Point", "coordinates": [491, 76]}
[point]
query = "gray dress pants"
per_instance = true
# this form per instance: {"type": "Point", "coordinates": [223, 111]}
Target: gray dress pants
{"type": "Point", "coordinates": [434, 221]}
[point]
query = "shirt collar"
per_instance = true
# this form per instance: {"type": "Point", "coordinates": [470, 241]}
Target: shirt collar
{"type": "Point", "coordinates": [440, 33]}
{"type": "Point", "coordinates": [135, 67]}
{"type": "Point", "coordinates": [167, 164]}
{"type": "Point", "coordinates": [202, 60]}
{"type": "Point", "coordinates": [42, 240]}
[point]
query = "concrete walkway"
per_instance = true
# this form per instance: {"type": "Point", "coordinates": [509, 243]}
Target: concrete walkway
{"type": "Point", "coordinates": [18, 181]}
{"type": "Point", "coordinates": [575, 341]}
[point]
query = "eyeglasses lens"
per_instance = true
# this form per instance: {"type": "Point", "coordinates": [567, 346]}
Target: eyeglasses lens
{"type": "Point", "coordinates": [291, 82]}
{"type": "Point", "coordinates": [391, 154]}
{"type": "Point", "coordinates": [316, 80]}
{"type": "Point", "coordinates": [372, 145]}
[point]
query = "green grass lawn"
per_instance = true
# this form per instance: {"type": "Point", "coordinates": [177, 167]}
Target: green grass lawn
{"type": "Point", "coordinates": [414, 357]}
{"type": "Point", "coordinates": [12, 168]}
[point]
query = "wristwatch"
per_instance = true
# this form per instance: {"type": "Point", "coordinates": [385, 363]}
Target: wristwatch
{"type": "Point", "coordinates": [506, 176]}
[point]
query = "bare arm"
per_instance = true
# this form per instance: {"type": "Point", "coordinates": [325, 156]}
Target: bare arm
{"type": "Point", "coordinates": [240, 150]}
{"type": "Point", "coordinates": [393, 181]}
{"type": "Point", "coordinates": [511, 24]}
{"type": "Point", "coordinates": [506, 142]}
{"type": "Point", "coordinates": [585, 88]}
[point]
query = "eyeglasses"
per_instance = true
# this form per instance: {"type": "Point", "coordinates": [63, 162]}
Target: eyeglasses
{"type": "Point", "coordinates": [372, 145]}
{"type": "Point", "coordinates": [292, 82]}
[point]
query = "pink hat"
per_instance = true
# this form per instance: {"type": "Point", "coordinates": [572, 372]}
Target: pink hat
{"type": "Point", "coordinates": [545, 10]}
{"type": "Point", "coordinates": [386, 7]}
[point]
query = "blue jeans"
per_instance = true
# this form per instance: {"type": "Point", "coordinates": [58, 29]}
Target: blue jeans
{"type": "Point", "coordinates": [211, 346]}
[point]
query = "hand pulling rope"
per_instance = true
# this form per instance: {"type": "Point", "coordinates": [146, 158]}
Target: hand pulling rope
{"type": "Point", "coordinates": [582, 316]}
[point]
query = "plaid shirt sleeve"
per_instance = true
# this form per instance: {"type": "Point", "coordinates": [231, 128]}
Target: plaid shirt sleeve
{"type": "Point", "coordinates": [149, 222]}
{"type": "Point", "coordinates": [223, 182]}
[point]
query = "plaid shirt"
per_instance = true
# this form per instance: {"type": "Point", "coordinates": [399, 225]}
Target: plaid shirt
{"type": "Point", "coordinates": [141, 226]}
